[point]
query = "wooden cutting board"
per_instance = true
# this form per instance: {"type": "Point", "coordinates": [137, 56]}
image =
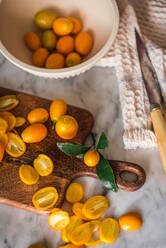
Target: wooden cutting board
{"type": "Point", "coordinates": [15, 193]}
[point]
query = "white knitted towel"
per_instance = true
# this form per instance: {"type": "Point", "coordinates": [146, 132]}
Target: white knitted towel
{"type": "Point", "coordinates": [149, 16]}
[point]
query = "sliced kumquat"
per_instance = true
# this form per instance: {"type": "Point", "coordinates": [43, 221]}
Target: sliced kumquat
{"type": "Point", "coordinates": [95, 240]}
{"type": "Point", "coordinates": [3, 138]}
{"type": "Point", "coordinates": [58, 220]}
{"type": "Point", "coordinates": [77, 210]}
{"type": "Point", "coordinates": [10, 118]}
{"type": "Point", "coordinates": [1, 152]}
{"type": "Point", "coordinates": [74, 222]}
{"type": "Point", "coordinates": [28, 174]}
{"type": "Point", "coordinates": [109, 230]}
{"type": "Point", "coordinates": [16, 146]}
{"type": "Point", "coordinates": [71, 246]}
{"type": "Point", "coordinates": [3, 125]}
{"type": "Point", "coordinates": [45, 198]}
{"type": "Point", "coordinates": [20, 121]}
{"type": "Point", "coordinates": [95, 207]}
{"type": "Point", "coordinates": [8, 102]}
{"type": "Point", "coordinates": [43, 165]}
{"type": "Point", "coordinates": [74, 192]}
{"type": "Point", "coordinates": [81, 234]}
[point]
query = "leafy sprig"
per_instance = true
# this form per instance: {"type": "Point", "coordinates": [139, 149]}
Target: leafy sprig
{"type": "Point", "coordinates": [103, 168]}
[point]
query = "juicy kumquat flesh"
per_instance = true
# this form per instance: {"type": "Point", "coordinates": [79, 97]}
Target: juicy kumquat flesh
{"type": "Point", "coordinates": [8, 102]}
{"type": "Point", "coordinates": [74, 192]}
{"type": "Point", "coordinates": [28, 174]}
{"type": "Point", "coordinates": [81, 234]}
{"type": "Point", "coordinates": [77, 210]}
{"type": "Point", "coordinates": [109, 230]}
{"type": "Point", "coordinates": [16, 146]}
{"type": "Point", "coordinates": [43, 165]}
{"type": "Point", "coordinates": [58, 220]}
{"type": "Point", "coordinates": [45, 198]}
{"type": "Point", "coordinates": [95, 207]}
{"type": "Point", "coordinates": [74, 222]}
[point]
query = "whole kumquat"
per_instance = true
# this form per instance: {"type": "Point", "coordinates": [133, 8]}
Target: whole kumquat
{"type": "Point", "coordinates": [32, 40]}
{"type": "Point", "coordinates": [49, 39]}
{"type": "Point", "coordinates": [38, 115]}
{"type": "Point", "coordinates": [58, 108]}
{"type": "Point", "coordinates": [76, 23]}
{"type": "Point", "coordinates": [3, 125]}
{"type": "Point", "coordinates": [130, 221]}
{"type": "Point", "coordinates": [34, 133]}
{"type": "Point", "coordinates": [66, 127]}
{"type": "Point", "coordinates": [72, 59]}
{"type": "Point", "coordinates": [55, 61]}
{"type": "Point", "coordinates": [83, 43]}
{"type": "Point", "coordinates": [62, 26]}
{"type": "Point", "coordinates": [65, 45]}
{"type": "Point", "coordinates": [40, 56]}
{"type": "Point", "coordinates": [44, 19]}
{"type": "Point", "coordinates": [91, 158]}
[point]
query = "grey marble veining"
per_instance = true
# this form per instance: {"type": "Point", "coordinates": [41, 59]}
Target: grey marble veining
{"type": "Point", "coordinates": [96, 90]}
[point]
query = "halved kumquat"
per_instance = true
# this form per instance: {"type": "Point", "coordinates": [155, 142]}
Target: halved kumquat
{"type": "Point", "coordinates": [109, 230]}
{"type": "Point", "coordinates": [95, 207]}
{"type": "Point", "coordinates": [3, 125]}
{"type": "Point", "coordinates": [43, 165]}
{"type": "Point", "coordinates": [45, 198]}
{"type": "Point", "coordinates": [20, 121]}
{"type": "Point", "coordinates": [58, 220]}
{"type": "Point", "coordinates": [3, 138]}
{"type": "Point", "coordinates": [8, 102]}
{"type": "Point", "coordinates": [16, 146]}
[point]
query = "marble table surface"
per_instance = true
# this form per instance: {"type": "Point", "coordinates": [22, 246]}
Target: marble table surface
{"type": "Point", "coordinates": [96, 90]}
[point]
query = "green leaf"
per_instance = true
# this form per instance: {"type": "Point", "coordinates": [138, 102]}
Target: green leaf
{"type": "Point", "coordinates": [102, 143]}
{"type": "Point", "coordinates": [105, 174]}
{"type": "Point", "coordinates": [80, 155]}
{"type": "Point", "coordinates": [71, 149]}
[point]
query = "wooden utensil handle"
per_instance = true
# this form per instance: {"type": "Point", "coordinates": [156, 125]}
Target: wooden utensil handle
{"type": "Point", "coordinates": [159, 126]}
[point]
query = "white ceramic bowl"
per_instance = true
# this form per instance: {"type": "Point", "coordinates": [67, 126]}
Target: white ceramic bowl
{"type": "Point", "coordinates": [100, 17]}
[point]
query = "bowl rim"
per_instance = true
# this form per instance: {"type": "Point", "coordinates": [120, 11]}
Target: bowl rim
{"type": "Point", "coordinates": [75, 69]}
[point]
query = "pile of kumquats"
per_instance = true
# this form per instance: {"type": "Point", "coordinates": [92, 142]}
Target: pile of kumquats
{"type": "Point", "coordinates": [62, 44]}
{"type": "Point", "coordinates": [84, 227]}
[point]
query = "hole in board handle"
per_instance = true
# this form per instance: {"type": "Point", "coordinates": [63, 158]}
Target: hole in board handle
{"type": "Point", "coordinates": [128, 176]}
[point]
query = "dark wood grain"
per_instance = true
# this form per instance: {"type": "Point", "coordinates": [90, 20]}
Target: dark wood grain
{"type": "Point", "coordinates": [15, 193]}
